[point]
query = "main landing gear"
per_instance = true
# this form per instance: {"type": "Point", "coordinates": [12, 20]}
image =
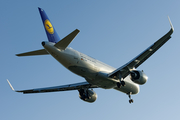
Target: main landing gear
{"type": "Point", "coordinates": [129, 95]}
{"type": "Point", "coordinates": [121, 83]}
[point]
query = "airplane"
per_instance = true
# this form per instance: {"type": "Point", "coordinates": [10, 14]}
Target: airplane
{"type": "Point", "coordinates": [97, 74]}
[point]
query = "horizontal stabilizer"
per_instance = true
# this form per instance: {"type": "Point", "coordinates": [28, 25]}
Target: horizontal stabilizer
{"type": "Point", "coordinates": [36, 52]}
{"type": "Point", "coordinates": [67, 40]}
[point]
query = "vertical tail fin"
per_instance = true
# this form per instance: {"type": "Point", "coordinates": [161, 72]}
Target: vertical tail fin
{"type": "Point", "coordinates": [50, 30]}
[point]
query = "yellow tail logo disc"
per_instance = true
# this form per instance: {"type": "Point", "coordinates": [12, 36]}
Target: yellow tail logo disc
{"type": "Point", "coordinates": [48, 26]}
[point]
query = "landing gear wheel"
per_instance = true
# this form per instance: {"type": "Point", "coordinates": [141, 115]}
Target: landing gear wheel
{"type": "Point", "coordinates": [123, 83]}
{"type": "Point", "coordinates": [118, 85]}
{"type": "Point", "coordinates": [131, 101]}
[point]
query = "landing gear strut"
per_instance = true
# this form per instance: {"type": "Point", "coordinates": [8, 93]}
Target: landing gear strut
{"type": "Point", "coordinates": [121, 82]}
{"type": "Point", "coordinates": [130, 100]}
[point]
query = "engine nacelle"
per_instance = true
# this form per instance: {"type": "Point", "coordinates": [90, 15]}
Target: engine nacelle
{"type": "Point", "coordinates": [88, 96]}
{"type": "Point", "coordinates": [138, 77]}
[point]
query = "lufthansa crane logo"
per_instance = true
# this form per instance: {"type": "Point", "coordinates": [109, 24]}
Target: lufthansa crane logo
{"type": "Point", "coordinates": [48, 26]}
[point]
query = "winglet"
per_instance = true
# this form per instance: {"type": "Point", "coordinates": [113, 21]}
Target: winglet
{"type": "Point", "coordinates": [171, 24]}
{"type": "Point", "coordinates": [10, 85]}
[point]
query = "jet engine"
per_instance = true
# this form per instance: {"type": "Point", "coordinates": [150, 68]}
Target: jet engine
{"type": "Point", "coordinates": [87, 95]}
{"type": "Point", "coordinates": [138, 77]}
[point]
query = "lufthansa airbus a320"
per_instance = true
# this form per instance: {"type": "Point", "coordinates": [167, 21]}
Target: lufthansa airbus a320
{"type": "Point", "coordinates": [97, 74]}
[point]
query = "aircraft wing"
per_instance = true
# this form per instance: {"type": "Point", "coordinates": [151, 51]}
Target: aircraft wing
{"type": "Point", "coordinates": [137, 61]}
{"type": "Point", "coordinates": [68, 87]}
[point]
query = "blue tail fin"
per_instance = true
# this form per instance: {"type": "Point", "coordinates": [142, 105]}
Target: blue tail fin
{"type": "Point", "coordinates": [50, 30]}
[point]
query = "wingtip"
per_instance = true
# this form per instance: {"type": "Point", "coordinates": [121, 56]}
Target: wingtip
{"type": "Point", "coordinates": [10, 85]}
{"type": "Point", "coordinates": [170, 23]}
{"type": "Point", "coordinates": [17, 54]}
{"type": "Point", "coordinates": [77, 30]}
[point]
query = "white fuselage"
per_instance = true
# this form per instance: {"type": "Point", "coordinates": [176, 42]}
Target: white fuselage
{"type": "Point", "coordinates": [94, 71]}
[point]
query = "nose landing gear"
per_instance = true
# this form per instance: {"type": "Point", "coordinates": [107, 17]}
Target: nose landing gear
{"type": "Point", "coordinates": [129, 95]}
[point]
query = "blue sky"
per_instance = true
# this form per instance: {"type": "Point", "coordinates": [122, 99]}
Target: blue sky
{"type": "Point", "coordinates": [113, 32]}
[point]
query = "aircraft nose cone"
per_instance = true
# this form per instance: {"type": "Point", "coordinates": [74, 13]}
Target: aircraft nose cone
{"type": "Point", "coordinates": [43, 43]}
